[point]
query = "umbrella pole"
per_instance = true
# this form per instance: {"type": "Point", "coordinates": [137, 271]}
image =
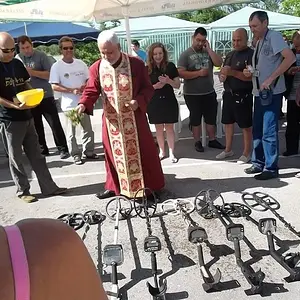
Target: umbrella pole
{"type": "Point", "coordinates": [127, 27]}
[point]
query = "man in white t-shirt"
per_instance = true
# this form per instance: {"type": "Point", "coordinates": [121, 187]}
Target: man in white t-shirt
{"type": "Point", "coordinates": [69, 76]}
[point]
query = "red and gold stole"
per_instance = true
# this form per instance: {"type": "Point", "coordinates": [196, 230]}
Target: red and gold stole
{"type": "Point", "coordinates": [116, 84]}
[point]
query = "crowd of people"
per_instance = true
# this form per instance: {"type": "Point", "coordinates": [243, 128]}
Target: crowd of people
{"type": "Point", "coordinates": [137, 90]}
{"type": "Point", "coordinates": [133, 95]}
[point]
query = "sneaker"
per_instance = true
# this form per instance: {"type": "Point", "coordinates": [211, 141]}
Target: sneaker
{"type": "Point", "coordinates": [64, 155]}
{"type": "Point", "coordinates": [199, 147]}
{"type": "Point", "coordinates": [266, 175]}
{"type": "Point", "coordinates": [77, 160]}
{"type": "Point", "coordinates": [28, 198]}
{"type": "Point", "coordinates": [224, 155]}
{"type": "Point", "coordinates": [92, 156]}
{"type": "Point", "coordinates": [297, 175]}
{"type": "Point", "coordinates": [253, 170]}
{"type": "Point", "coordinates": [244, 159]}
{"type": "Point", "coordinates": [216, 144]}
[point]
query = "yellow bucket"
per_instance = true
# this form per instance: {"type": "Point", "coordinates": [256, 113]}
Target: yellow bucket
{"type": "Point", "coordinates": [31, 97]}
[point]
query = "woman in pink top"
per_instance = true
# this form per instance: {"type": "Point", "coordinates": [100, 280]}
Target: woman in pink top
{"type": "Point", "coordinates": [43, 259]}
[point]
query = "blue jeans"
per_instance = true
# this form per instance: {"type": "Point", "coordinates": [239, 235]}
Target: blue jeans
{"type": "Point", "coordinates": [265, 134]}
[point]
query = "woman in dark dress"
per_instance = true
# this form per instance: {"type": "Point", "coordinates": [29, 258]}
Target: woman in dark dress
{"type": "Point", "coordinates": [163, 108]}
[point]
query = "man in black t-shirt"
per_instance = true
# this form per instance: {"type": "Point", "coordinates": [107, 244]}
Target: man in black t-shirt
{"type": "Point", "coordinates": [19, 125]}
{"type": "Point", "coordinates": [237, 97]}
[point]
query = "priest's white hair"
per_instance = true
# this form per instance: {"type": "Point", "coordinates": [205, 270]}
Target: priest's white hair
{"type": "Point", "coordinates": [108, 36]}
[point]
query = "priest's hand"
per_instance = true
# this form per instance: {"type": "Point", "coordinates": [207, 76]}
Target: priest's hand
{"type": "Point", "coordinates": [80, 108]}
{"type": "Point", "coordinates": [133, 104]}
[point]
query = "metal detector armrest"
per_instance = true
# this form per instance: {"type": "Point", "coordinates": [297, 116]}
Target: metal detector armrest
{"type": "Point", "coordinates": [113, 255]}
{"type": "Point", "coordinates": [267, 225]}
{"type": "Point", "coordinates": [235, 232]}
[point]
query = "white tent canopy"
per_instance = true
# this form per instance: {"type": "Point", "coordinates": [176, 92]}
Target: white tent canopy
{"type": "Point", "coordinates": [101, 10]}
{"type": "Point", "coordinates": [157, 24]}
{"type": "Point", "coordinates": [240, 18]}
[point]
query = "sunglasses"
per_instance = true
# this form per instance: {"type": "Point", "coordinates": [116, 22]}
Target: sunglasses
{"type": "Point", "coordinates": [8, 50]}
{"type": "Point", "coordinates": [68, 48]}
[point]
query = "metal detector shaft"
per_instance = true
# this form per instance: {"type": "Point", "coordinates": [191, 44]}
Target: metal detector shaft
{"type": "Point", "coordinates": [286, 224]}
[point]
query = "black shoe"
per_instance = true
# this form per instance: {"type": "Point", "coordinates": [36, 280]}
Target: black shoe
{"type": "Point", "coordinates": [216, 144]}
{"type": "Point", "coordinates": [105, 194]}
{"type": "Point", "coordinates": [265, 175]}
{"type": "Point", "coordinates": [45, 152]}
{"type": "Point", "coordinates": [253, 170]}
{"type": "Point", "coordinates": [199, 147]}
{"type": "Point", "coordinates": [64, 155]}
{"type": "Point", "coordinates": [289, 153]}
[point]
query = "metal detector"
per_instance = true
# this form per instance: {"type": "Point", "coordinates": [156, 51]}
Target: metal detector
{"type": "Point", "coordinates": [196, 235]}
{"type": "Point", "coordinates": [113, 254]}
{"type": "Point", "coordinates": [205, 206]}
{"type": "Point", "coordinates": [263, 202]}
{"type": "Point", "coordinates": [152, 244]}
{"type": "Point", "coordinates": [77, 220]}
{"type": "Point", "coordinates": [267, 226]}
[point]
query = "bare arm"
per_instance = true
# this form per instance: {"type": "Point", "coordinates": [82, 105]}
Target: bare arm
{"type": "Point", "coordinates": [239, 75]}
{"type": "Point", "coordinates": [216, 59]}
{"type": "Point", "coordinates": [175, 83]}
{"type": "Point", "coordinates": [61, 89]}
{"type": "Point", "coordinates": [40, 74]}
{"type": "Point", "coordinates": [8, 104]}
{"type": "Point", "coordinates": [192, 74]}
{"type": "Point", "coordinates": [288, 59]}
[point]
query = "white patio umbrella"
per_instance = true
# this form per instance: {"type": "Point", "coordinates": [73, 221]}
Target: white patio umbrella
{"type": "Point", "coordinates": [102, 10]}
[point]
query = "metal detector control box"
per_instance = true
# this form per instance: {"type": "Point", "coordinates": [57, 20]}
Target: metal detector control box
{"type": "Point", "coordinates": [235, 231]}
{"type": "Point", "coordinates": [267, 225]}
{"type": "Point", "coordinates": [196, 234]}
{"type": "Point", "coordinates": [152, 244]}
{"type": "Point", "coordinates": [113, 255]}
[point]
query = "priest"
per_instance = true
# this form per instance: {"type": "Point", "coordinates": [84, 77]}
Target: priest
{"type": "Point", "coordinates": [131, 157]}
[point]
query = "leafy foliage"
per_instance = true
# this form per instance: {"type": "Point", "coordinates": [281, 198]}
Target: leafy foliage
{"type": "Point", "coordinates": [291, 7]}
{"type": "Point", "coordinates": [88, 52]}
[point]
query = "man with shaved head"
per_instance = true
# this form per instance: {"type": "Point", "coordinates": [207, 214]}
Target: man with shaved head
{"type": "Point", "coordinates": [131, 157]}
{"type": "Point", "coordinates": [19, 125]}
{"type": "Point", "coordinates": [237, 98]}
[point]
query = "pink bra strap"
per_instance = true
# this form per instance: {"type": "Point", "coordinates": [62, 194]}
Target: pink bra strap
{"type": "Point", "coordinates": [19, 262]}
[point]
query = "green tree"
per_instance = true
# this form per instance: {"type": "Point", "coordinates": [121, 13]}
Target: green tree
{"type": "Point", "coordinates": [291, 7]}
{"type": "Point", "coordinates": [204, 16]}
{"type": "Point", "coordinates": [88, 52]}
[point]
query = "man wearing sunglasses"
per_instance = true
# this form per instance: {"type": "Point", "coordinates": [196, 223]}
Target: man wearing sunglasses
{"type": "Point", "coordinates": [19, 125]}
{"type": "Point", "coordinates": [68, 76]}
{"type": "Point", "coordinates": [38, 66]}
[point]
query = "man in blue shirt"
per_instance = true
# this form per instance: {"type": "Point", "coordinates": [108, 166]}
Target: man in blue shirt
{"type": "Point", "coordinates": [135, 46]}
{"type": "Point", "coordinates": [272, 58]}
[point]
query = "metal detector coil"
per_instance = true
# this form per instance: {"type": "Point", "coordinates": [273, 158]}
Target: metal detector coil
{"type": "Point", "coordinates": [260, 201]}
{"type": "Point", "coordinates": [113, 255]}
{"type": "Point", "coordinates": [145, 203]}
{"type": "Point", "coordinates": [118, 206]}
{"type": "Point", "coordinates": [177, 206]}
{"type": "Point", "coordinates": [76, 221]}
{"type": "Point", "coordinates": [93, 217]}
{"type": "Point", "coordinates": [205, 203]}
